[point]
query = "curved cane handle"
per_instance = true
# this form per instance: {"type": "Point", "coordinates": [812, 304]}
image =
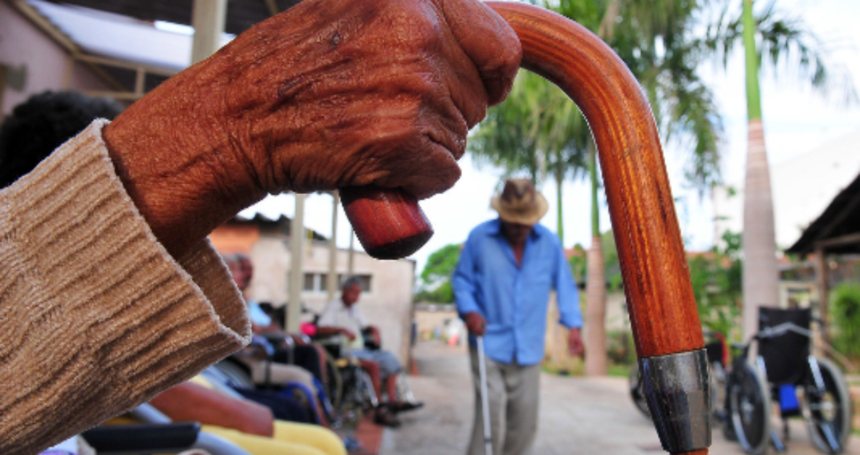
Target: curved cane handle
{"type": "Point", "coordinates": [663, 313]}
{"type": "Point", "coordinates": [662, 307]}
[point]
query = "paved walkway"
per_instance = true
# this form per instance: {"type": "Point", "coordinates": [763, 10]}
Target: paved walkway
{"type": "Point", "coordinates": [584, 416]}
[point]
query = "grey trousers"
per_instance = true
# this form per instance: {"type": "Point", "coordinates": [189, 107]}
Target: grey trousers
{"type": "Point", "coordinates": [514, 392]}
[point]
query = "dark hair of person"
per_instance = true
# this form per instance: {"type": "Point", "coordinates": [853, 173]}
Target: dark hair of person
{"type": "Point", "coordinates": [351, 281]}
{"type": "Point", "coordinates": [45, 121]}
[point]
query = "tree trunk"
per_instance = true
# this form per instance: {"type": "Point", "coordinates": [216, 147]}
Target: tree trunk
{"type": "Point", "coordinates": [595, 288]}
{"type": "Point", "coordinates": [761, 277]}
{"type": "Point", "coordinates": [559, 178]}
{"type": "Point", "coordinates": [760, 274]}
{"type": "Point", "coordinates": [595, 312]}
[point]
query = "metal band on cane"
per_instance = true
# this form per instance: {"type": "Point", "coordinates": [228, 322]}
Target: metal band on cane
{"type": "Point", "coordinates": [678, 393]}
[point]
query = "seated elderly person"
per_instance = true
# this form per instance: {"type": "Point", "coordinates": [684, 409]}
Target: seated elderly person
{"type": "Point", "coordinates": [341, 317]}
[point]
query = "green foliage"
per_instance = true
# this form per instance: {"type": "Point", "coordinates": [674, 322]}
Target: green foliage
{"type": "Point", "coordinates": [845, 319]}
{"type": "Point", "coordinates": [537, 131]}
{"type": "Point", "coordinates": [611, 263]}
{"type": "Point", "coordinates": [620, 348]}
{"type": "Point", "coordinates": [659, 41]}
{"type": "Point", "coordinates": [436, 276]}
{"type": "Point", "coordinates": [784, 43]}
{"type": "Point", "coordinates": [717, 284]}
{"type": "Point", "coordinates": [579, 264]}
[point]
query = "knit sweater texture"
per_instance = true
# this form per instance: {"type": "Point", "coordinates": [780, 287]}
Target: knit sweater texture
{"type": "Point", "coordinates": [95, 315]}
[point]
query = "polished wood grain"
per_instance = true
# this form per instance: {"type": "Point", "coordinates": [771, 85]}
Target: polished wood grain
{"type": "Point", "coordinates": [388, 223]}
{"type": "Point", "coordinates": [653, 263]}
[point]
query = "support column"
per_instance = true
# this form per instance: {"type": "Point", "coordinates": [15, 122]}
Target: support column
{"type": "Point", "coordinates": [207, 18]}
{"type": "Point", "coordinates": [331, 282]}
{"type": "Point", "coordinates": [296, 283]}
{"type": "Point", "coordinates": [350, 267]}
{"type": "Point", "coordinates": [822, 274]}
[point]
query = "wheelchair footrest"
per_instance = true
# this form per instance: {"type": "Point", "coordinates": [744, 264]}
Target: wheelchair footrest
{"type": "Point", "coordinates": [157, 438]}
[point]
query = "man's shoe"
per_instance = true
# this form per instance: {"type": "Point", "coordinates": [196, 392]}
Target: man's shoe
{"type": "Point", "coordinates": [405, 406]}
{"type": "Point", "coordinates": [385, 418]}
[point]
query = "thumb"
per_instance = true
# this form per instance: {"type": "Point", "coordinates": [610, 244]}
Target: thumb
{"type": "Point", "coordinates": [488, 41]}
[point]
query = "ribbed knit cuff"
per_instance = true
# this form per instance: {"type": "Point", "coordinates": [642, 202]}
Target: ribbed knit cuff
{"type": "Point", "coordinates": [95, 315]}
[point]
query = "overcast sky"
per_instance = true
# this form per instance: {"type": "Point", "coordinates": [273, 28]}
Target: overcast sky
{"type": "Point", "coordinates": [795, 120]}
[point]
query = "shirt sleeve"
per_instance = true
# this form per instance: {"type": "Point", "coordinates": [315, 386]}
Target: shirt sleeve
{"type": "Point", "coordinates": [327, 318]}
{"type": "Point", "coordinates": [566, 293]}
{"type": "Point", "coordinates": [359, 317]}
{"type": "Point", "coordinates": [258, 316]}
{"type": "Point", "coordinates": [463, 280]}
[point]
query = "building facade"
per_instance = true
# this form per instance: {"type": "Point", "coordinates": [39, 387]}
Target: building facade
{"type": "Point", "coordinates": [385, 302]}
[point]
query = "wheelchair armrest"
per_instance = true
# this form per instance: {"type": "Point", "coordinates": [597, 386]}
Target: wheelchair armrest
{"type": "Point", "coordinates": [130, 439]}
{"type": "Point", "coordinates": [820, 322]}
{"type": "Point", "coordinates": [328, 339]}
{"type": "Point", "coordinates": [278, 338]}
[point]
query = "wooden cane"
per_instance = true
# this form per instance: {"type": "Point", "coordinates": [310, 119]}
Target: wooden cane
{"type": "Point", "coordinates": [663, 314]}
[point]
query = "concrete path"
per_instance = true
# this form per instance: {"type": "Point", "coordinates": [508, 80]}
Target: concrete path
{"type": "Point", "coordinates": [578, 415]}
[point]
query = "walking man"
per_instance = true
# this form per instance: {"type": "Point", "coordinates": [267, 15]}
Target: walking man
{"type": "Point", "coordinates": [501, 285]}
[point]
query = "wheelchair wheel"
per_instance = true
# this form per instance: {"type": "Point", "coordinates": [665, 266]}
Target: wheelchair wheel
{"type": "Point", "coordinates": [749, 401]}
{"type": "Point", "coordinates": [334, 384]}
{"type": "Point", "coordinates": [637, 392]}
{"type": "Point", "coordinates": [717, 375]}
{"type": "Point", "coordinates": [366, 393]}
{"type": "Point", "coordinates": [827, 413]}
{"type": "Point", "coordinates": [236, 374]}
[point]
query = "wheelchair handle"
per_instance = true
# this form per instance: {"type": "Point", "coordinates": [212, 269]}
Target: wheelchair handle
{"type": "Point", "coordinates": [661, 304]}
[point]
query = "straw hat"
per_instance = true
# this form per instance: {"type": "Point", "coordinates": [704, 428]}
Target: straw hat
{"type": "Point", "coordinates": [520, 202]}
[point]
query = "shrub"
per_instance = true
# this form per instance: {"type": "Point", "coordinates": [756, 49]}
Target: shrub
{"type": "Point", "coordinates": [845, 319]}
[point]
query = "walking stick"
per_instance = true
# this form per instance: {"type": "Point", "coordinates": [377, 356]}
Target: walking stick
{"type": "Point", "coordinates": [485, 400]}
{"type": "Point", "coordinates": [662, 308]}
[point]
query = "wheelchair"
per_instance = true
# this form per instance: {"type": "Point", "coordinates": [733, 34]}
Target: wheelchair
{"type": "Point", "coordinates": [156, 433]}
{"type": "Point", "coordinates": [356, 394]}
{"type": "Point", "coordinates": [236, 372]}
{"type": "Point", "coordinates": [351, 391]}
{"type": "Point", "coordinates": [784, 372]}
{"type": "Point", "coordinates": [717, 353]}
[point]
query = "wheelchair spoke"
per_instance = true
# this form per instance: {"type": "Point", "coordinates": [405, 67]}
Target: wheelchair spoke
{"type": "Point", "coordinates": [828, 406]}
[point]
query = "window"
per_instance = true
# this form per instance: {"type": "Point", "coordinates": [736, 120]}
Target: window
{"type": "Point", "coordinates": [310, 282]}
{"type": "Point", "coordinates": [316, 282]}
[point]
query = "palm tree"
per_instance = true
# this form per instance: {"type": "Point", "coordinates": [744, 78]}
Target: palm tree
{"type": "Point", "coordinates": [781, 39]}
{"type": "Point", "coordinates": [537, 131]}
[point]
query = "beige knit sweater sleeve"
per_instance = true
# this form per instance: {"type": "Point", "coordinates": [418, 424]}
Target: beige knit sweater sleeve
{"type": "Point", "coordinates": [95, 316]}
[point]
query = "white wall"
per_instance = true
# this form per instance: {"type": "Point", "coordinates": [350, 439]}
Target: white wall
{"type": "Point", "coordinates": [24, 48]}
{"type": "Point", "coordinates": [802, 188]}
{"type": "Point", "coordinates": [388, 305]}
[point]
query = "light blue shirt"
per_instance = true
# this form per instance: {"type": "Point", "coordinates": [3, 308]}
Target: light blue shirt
{"type": "Point", "coordinates": [514, 299]}
{"type": "Point", "coordinates": [257, 315]}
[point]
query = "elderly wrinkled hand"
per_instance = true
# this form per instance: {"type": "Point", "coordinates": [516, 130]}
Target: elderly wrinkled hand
{"type": "Point", "coordinates": [328, 94]}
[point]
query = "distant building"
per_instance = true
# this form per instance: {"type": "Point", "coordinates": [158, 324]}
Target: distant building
{"type": "Point", "coordinates": [802, 188]}
{"type": "Point", "coordinates": [387, 298]}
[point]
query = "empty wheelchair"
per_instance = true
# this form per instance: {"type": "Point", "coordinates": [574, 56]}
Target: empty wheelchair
{"type": "Point", "coordinates": [784, 372]}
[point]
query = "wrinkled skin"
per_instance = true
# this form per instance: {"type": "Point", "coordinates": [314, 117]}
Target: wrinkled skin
{"type": "Point", "coordinates": [330, 93]}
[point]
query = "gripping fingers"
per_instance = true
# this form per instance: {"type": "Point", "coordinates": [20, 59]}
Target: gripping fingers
{"type": "Point", "coordinates": [489, 41]}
